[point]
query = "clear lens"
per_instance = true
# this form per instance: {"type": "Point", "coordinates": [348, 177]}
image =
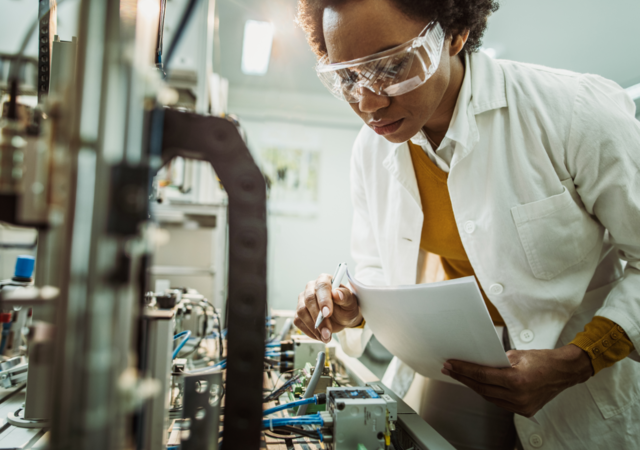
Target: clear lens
{"type": "Point", "coordinates": [390, 73]}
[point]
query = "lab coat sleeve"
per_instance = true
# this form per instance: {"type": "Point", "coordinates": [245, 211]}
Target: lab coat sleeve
{"type": "Point", "coordinates": [364, 250]}
{"type": "Point", "coordinates": [603, 157]}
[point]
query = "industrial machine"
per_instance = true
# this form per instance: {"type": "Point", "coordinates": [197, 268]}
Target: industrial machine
{"type": "Point", "coordinates": [123, 343]}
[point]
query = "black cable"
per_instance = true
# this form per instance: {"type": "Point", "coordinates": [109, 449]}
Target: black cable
{"type": "Point", "coordinates": [276, 393]}
{"type": "Point", "coordinates": [296, 430]}
{"type": "Point", "coordinates": [184, 20]}
{"type": "Point", "coordinates": [219, 320]}
{"type": "Point", "coordinates": [396, 441]}
{"type": "Point", "coordinates": [277, 380]}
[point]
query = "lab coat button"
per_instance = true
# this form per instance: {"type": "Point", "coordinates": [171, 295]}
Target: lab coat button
{"type": "Point", "coordinates": [496, 289]}
{"type": "Point", "coordinates": [605, 342]}
{"type": "Point", "coordinates": [535, 440]}
{"type": "Point", "coordinates": [469, 226]}
{"type": "Point", "coordinates": [614, 335]}
{"type": "Point", "coordinates": [526, 336]}
{"type": "Point", "coordinates": [620, 329]}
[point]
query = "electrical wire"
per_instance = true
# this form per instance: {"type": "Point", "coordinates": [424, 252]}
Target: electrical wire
{"type": "Point", "coordinates": [276, 393]}
{"type": "Point", "coordinates": [182, 333]}
{"type": "Point", "coordinates": [286, 353]}
{"type": "Point", "coordinates": [276, 384]}
{"type": "Point", "coordinates": [187, 335]}
{"type": "Point", "coordinates": [204, 330]}
{"type": "Point", "coordinates": [304, 401]}
{"type": "Point", "coordinates": [217, 366]}
{"type": "Point", "coordinates": [219, 322]}
{"type": "Point", "coordinates": [314, 419]}
{"type": "Point", "coordinates": [395, 440]}
{"type": "Point", "coordinates": [299, 431]}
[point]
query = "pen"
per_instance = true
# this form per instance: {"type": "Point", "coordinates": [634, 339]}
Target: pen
{"type": "Point", "coordinates": [335, 284]}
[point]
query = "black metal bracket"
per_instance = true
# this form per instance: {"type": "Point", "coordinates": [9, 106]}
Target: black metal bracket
{"type": "Point", "coordinates": [217, 140]}
{"type": "Point", "coordinates": [202, 395]}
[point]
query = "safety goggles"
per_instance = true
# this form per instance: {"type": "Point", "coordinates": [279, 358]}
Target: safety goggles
{"type": "Point", "coordinates": [389, 73]}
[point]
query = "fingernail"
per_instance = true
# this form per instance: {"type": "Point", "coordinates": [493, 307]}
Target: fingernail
{"type": "Point", "coordinates": [326, 334]}
{"type": "Point", "coordinates": [340, 294]}
{"type": "Point", "coordinates": [445, 372]}
{"type": "Point", "coordinates": [325, 311]}
{"type": "Point", "coordinates": [448, 366]}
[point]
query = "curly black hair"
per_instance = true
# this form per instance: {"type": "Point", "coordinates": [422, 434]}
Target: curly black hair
{"type": "Point", "coordinates": [455, 16]}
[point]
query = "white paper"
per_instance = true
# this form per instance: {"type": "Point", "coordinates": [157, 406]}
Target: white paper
{"type": "Point", "coordinates": [427, 324]}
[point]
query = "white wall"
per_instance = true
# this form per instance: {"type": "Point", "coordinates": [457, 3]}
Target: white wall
{"type": "Point", "coordinates": [300, 248]}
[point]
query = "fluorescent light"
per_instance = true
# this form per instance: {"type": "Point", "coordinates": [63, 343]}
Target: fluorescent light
{"type": "Point", "coordinates": [634, 91]}
{"type": "Point", "coordinates": [256, 49]}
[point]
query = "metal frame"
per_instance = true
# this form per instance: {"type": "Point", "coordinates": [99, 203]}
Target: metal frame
{"type": "Point", "coordinates": [217, 140]}
{"type": "Point", "coordinates": [202, 395]}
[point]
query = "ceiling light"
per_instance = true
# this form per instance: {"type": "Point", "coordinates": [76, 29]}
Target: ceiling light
{"type": "Point", "coordinates": [256, 49]}
{"type": "Point", "coordinates": [634, 91]}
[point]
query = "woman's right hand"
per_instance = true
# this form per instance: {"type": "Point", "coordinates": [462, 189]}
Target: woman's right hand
{"type": "Point", "coordinates": [340, 308]}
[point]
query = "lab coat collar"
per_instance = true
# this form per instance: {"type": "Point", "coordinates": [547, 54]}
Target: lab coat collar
{"type": "Point", "coordinates": [483, 85]}
{"type": "Point", "coordinates": [459, 128]}
{"type": "Point", "coordinates": [487, 92]}
{"type": "Point", "coordinates": [487, 83]}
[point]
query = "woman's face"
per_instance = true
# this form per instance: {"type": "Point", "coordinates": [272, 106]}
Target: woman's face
{"type": "Point", "coordinates": [361, 28]}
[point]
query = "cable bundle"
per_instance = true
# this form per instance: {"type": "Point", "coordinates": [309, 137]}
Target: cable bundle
{"type": "Point", "coordinates": [314, 419]}
{"type": "Point", "coordinates": [318, 399]}
{"type": "Point", "coordinates": [277, 393]}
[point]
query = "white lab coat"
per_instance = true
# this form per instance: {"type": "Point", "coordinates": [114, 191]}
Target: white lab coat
{"type": "Point", "coordinates": [546, 197]}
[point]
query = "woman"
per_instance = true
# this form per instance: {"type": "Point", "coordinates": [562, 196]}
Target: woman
{"type": "Point", "coordinates": [523, 176]}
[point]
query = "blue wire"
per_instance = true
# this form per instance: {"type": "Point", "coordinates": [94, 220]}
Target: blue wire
{"type": "Point", "coordinates": [182, 333]}
{"type": "Point", "coordinates": [280, 421]}
{"type": "Point", "coordinates": [273, 344]}
{"type": "Point", "coordinates": [187, 335]}
{"type": "Point", "coordinates": [222, 364]}
{"type": "Point", "coordinates": [305, 401]}
{"type": "Point", "coordinates": [290, 353]}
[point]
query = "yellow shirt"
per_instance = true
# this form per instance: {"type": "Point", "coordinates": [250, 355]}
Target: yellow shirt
{"type": "Point", "coordinates": [604, 341]}
{"type": "Point", "coordinates": [439, 231]}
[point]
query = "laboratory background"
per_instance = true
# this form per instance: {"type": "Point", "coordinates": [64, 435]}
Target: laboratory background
{"type": "Point", "coordinates": [172, 174]}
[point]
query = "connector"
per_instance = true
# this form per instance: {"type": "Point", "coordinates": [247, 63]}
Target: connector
{"type": "Point", "coordinates": [327, 419]}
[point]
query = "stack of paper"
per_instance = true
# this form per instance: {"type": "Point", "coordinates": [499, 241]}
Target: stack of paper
{"type": "Point", "coordinates": [427, 324]}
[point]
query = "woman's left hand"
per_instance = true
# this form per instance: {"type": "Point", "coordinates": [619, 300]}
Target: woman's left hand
{"type": "Point", "coordinates": [534, 378]}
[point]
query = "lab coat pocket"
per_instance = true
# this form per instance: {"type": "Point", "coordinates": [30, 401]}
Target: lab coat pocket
{"type": "Point", "coordinates": [556, 233]}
